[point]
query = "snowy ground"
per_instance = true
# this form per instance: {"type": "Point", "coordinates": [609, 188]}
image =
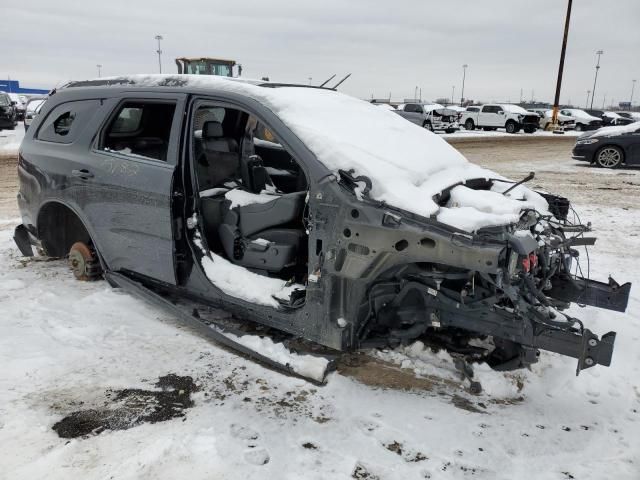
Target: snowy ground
{"type": "Point", "coordinates": [10, 140]}
{"type": "Point", "coordinates": [70, 347]}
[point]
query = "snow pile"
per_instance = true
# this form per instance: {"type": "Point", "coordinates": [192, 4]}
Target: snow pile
{"type": "Point", "coordinates": [307, 366]}
{"type": "Point", "coordinates": [10, 140]}
{"type": "Point", "coordinates": [470, 210]}
{"type": "Point", "coordinates": [241, 198]}
{"type": "Point", "coordinates": [619, 130]}
{"type": "Point", "coordinates": [238, 282]}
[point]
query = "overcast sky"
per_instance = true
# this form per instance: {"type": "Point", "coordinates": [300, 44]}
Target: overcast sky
{"type": "Point", "coordinates": [389, 46]}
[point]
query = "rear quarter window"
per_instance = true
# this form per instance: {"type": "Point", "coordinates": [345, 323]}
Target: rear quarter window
{"type": "Point", "coordinates": [66, 122]}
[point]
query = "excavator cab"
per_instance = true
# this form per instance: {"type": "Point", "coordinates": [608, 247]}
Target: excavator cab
{"type": "Point", "coordinates": [207, 66]}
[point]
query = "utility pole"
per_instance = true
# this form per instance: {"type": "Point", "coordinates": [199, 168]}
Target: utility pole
{"type": "Point", "coordinates": [593, 92]}
{"type": "Point", "coordinates": [604, 99]}
{"type": "Point", "coordinates": [633, 86]}
{"type": "Point", "coordinates": [464, 75]}
{"type": "Point", "coordinates": [453, 93]}
{"type": "Point", "coordinates": [415, 94]}
{"type": "Point", "coordinates": [554, 118]}
{"type": "Point", "coordinates": [420, 94]}
{"type": "Point", "coordinates": [586, 104]}
{"type": "Point", "coordinates": [159, 52]}
{"type": "Point", "coordinates": [99, 68]}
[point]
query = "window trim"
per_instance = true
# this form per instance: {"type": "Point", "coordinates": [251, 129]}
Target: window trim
{"type": "Point", "coordinates": [174, 134]}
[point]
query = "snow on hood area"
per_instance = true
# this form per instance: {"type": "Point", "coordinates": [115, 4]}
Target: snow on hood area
{"type": "Point", "coordinates": [515, 109]}
{"type": "Point", "coordinates": [618, 130]}
{"type": "Point", "coordinates": [406, 164]}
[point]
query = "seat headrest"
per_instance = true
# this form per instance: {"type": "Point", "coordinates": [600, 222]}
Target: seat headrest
{"type": "Point", "coordinates": [212, 130]}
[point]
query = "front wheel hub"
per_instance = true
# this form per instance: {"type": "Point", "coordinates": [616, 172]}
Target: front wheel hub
{"type": "Point", "coordinates": [83, 262]}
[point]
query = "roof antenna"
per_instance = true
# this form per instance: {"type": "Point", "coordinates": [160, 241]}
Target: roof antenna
{"type": "Point", "coordinates": [327, 80]}
{"type": "Point", "coordinates": [340, 82]}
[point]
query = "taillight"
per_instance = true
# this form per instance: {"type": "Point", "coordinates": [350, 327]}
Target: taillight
{"type": "Point", "coordinates": [533, 260]}
{"type": "Point", "coordinates": [526, 264]}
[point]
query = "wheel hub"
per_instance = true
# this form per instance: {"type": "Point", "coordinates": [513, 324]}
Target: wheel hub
{"type": "Point", "coordinates": [609, 157]}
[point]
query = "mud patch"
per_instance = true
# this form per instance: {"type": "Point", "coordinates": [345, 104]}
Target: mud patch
{"type": "Point", "coordinates": [130, 407]}
{"type": "Point", "coordinates": [375, 372]}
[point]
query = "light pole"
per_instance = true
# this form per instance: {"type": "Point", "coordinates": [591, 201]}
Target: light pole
{"type": "Point", "coordinates": [453, 93]}
{"type": "Point", "coordinates": [310, 78]}
{"type": "Point", "coordinates": [556, 101]}
{"type": "Point", "coordinates": [586, 104]}
{"type": "Point", "coordinates": [464, 76]}
{"type": "Point", "coordinates": [159, 52]}
{"type": "Point", "coordinates": [99, 69]}
{"type": "Point", "coordinates": [593, 92]}
{"type": "Point", "coordinates": [633, 86]}
{"type": "Point", "coordinates": [604, 99]}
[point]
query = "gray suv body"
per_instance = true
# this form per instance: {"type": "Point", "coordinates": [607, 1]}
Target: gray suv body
{"type": "Point", "coordinates": [111, 175]}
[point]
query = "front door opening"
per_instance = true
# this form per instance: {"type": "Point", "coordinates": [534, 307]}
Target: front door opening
{"type": "Point", "coordinates": [252, 199]}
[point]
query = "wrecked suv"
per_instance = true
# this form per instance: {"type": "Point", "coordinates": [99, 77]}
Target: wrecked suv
{"type": "Point", "coordinates": [307, 211]}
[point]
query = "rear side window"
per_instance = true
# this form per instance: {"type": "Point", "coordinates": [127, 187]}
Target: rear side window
{"type": "Point", "coordinates": [140, 129]}
{"type": "Point", "coordinates": [473, 109]}
{"type": "Point", "coordinates": [66, 121]}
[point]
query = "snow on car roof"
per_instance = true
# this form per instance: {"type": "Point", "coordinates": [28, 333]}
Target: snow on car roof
{"type": "Point", "coordinates": [514, 109]}
{"type": "Point", "coordinates": [407, 164]}
{"type": "Point", "coordinates": [619, 130]}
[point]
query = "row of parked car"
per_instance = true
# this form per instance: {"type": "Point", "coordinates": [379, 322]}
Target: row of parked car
{"type": "Point", "coordinates": [511, 118]}
{"type": "Point", "coordinates": [15, 108]}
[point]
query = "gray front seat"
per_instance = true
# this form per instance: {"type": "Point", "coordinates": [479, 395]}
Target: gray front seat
{"type": "Point", "coordinates": [260, 235]}
{"type": "Point", "coordinates": [219, 159]}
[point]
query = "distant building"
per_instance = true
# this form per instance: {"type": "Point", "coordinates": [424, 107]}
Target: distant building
{"type": "Point", "coordinates": [13, 86]}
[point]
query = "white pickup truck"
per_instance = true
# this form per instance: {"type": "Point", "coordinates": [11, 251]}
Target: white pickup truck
{"type": "Point", "coordinates": [493, 116]}
{"type": "Point", "coordinates": [431, 116]}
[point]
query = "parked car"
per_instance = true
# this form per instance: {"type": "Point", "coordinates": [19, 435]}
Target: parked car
{"type": "Point", "coordinates": [612, 118]}
{"type": "Point", "coordinates": [305, 210]}
{"type": "Point", "coordinates": [20, 104]}
{"type": "Point", "coordinates": [546, 116]}
{"type": "Point", "coordinates": [7, 112]}
{"type": "Point", "coordinates": [635, 116]}
{"type": "Point", "coordinates": [493, 116]}
{"type": "Point", "coordinates": [584, 121]}
{"type": "Point", "coordinates": [32, 109]}
{"type": "Point", "coordinates": [432, 116]}
{"type": "Point", "coordinates": [610, 147]}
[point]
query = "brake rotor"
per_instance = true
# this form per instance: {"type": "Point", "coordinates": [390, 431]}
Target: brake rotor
{"type": "Point", "coordinates": [81, 260]}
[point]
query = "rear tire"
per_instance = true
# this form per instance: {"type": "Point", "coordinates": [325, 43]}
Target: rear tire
{"type": "Point", "coordinates": [84, 262]}
{"type": "Point", "coordinates": [469, 125]}
{"type": "Point", "coordinates": [579, 127]}
{"type": "Point", "coordinates": [511, 127]}
{"type": "Point", "coordinates": [609, 156]}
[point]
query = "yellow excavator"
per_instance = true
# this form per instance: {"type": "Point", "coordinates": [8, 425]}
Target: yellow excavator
{"type": "Point", "coordinates": [208, 66]}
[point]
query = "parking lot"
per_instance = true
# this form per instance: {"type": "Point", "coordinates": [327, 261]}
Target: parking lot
{"type": "Point", "coordinates": [75, 361]}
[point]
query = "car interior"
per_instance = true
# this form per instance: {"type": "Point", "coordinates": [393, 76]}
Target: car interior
{"type": "Point", "coordinates": [141, 128]}
{"type": "Point", "coordinates": [252, 194]}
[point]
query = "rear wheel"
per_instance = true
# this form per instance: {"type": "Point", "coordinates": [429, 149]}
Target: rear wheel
{"type": "Point", "coordinates": [511, 127]}
{"type": "Point", "coordinates": [469, 125]}
{"type": "Point", "coordinates": [579, 127]}
{"type": "Point", "coordinates": [609, 156]}
{"type": "Point", "coordinates": [84, 262]}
